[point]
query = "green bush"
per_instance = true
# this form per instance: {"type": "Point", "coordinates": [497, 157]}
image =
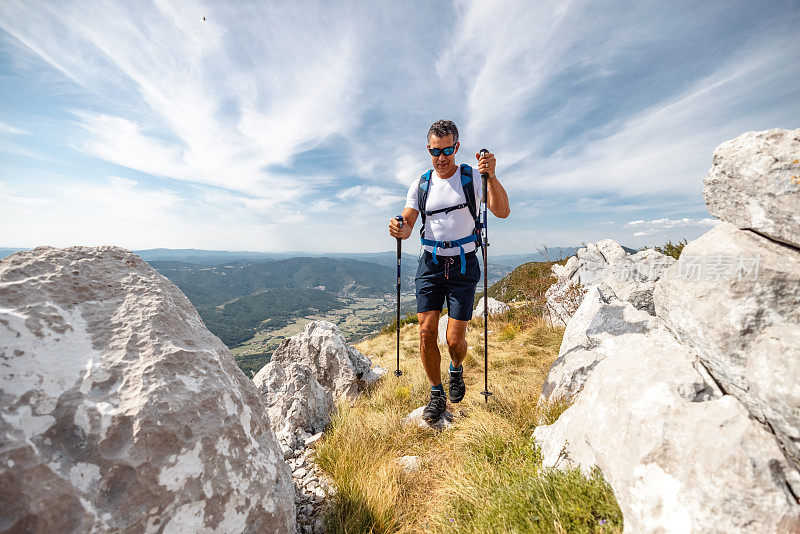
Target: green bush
{"type": "Point", "coordinates": [410, 318]}
{"type": "Point", "coordinates": [671, 249]}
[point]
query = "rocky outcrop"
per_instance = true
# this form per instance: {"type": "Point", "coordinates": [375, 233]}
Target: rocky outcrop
{"type": "Point", "coordinates": [338, 367]}
{"type": "Point", "coordinates": [298, 406]}
{"type": "Point", "coordinates": [495, 307]}
{"type": "Point", "coordinates": [305, 376]}
{"type": "Point", "coordinates": [120, 411]}
{"type": "Point", "coordinates": [631, 276]}
{"type": "Point", "coordinates": [754, 183]}
{"type": "Point", "coordinates": [680, 455]}
{"type": "Point", "coordinates": [692, 414]}
{"type": "Point", "coordinates": [734, 298]}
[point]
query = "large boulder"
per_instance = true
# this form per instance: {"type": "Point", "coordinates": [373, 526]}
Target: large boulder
{"type": "Point", "coordinates": [734, 298]}
{"type": "Point", "coordinates": [338, 367]}
{"type": "Point", "coordinates": [120, 411]}
{"type": "Point", "coordinates": [495, 307]}
{"type": "Point", "coordinates": [298, 405]}
{"type": "Point", "coordinates": [754, 183]}
{"type": "Point", "coordinates": [679, 454]}
{"type": "Point", "coordinates": [631, 276]}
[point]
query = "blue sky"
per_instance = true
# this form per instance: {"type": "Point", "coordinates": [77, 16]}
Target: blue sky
{"type": "Point", "coordinates": [275, 126]}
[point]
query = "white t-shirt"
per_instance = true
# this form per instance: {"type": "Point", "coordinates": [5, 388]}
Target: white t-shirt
{"type": "Point", "coordinates": [443, 193]}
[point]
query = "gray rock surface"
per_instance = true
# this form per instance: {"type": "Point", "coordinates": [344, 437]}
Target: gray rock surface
{"type": "Point", "coordinates": [409, 464]}
{"type": "Point", "coordinates": [684, 375]}
{"type": "Point", "coordinates": [495, 307]}
{"type": "Point", "coordinates": [415, 418]}
{"type": "Point", "coordinates": [312, 491]}
{"type": "Point", "coordinates": [339, 368]}
{"type": "Point", "coordinates": [298, 406]}
{"type": "Point", "coordinates": [734, 298]}
{"type": "Point", "coordinates": [679, 454]}
{"type": "Point", "coordinates": [305, 376]}
{"type": "Point", "coordinates": [443, 329]}
{"type": "Point", "coordinates": [120, 411]}
{"type": "Point", "coordinates": [755, 183]}
{"type": "Point", "coordinates": [632, 277]}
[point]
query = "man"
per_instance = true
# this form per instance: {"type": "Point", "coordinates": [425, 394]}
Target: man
{"type": "Point", "coordinates": [448, 267]}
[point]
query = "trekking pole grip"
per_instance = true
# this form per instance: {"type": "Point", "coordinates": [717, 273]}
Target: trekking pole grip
{"type": "Point", "coordinates": [483, 152]}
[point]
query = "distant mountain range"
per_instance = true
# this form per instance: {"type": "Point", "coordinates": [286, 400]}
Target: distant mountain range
{"type": "Point", "coordinates": [218, 257]}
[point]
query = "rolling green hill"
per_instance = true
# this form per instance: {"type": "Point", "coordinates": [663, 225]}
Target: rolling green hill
{"type": "Point", "coordinates": [214, 285]}
{"type": "Point", "coordinates": [238, 320]}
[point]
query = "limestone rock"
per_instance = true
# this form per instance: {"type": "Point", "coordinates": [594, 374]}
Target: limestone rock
{"type": "Point", "coordinates": [444, 422]}
{"type": "Point", "coordinates": [443, 320]}
{"type": "Point", "coordinates": [409, 464]}
{"type": "Point", "coordinates": [734, 297]}
{"type": "Point", "coordinates": [120, 411]}
{"type": "Point", "coordinates": [297, 404]}
{"type": "Point", "coordinates": [339, 368]}
{"type": "Point", "coordinates": [589, 338]}
{"type": "Point", "coordinates": [631, 277]}
{"type": "Point", "coordinates": [495, 307]}
{"type": "Point", "coordinates": [313, 441]}
{"type": "Point", "coordinates": [679, 455]}
{"type": "Point", "coordinates": [755, 183]}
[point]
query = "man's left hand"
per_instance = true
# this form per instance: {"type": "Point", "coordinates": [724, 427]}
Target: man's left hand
{"type": "Point", "coordinates": [486, 164]}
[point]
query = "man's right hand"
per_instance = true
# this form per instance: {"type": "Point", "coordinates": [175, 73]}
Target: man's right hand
{"type": "Point", "coordinates": [396, 231]}
{"type": "Point", "coordinates": [409, 219]}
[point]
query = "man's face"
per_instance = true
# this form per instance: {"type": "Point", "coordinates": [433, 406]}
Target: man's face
{"type": "Point", "coordinates": [443, 163]}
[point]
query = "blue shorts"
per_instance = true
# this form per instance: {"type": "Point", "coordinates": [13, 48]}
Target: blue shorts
{"type": "Point", "coordinates": [444, 281]}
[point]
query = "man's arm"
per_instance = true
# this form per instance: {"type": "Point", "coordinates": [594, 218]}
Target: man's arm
{"type": "Point", "coordinates": [497, 198]}
{"type": "Point", "coordinates": [409, 219]}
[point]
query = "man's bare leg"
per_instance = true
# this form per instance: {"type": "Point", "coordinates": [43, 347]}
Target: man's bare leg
{"type": "Point", "coordinates": [457, 340]}
{"type": "Point", "coordinates": [428, 346]}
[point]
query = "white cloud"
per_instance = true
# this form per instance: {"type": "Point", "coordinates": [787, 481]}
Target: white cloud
{"type": "Point", "coordinates": [666, 222]}
{"type": "Point", "coordinates": [214, 101]}
{"type": "Point", "coordinates": [7, 128]}
{"type": "Point", "coordinates": [371, 196]}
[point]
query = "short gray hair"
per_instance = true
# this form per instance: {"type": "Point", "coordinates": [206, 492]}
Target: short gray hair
{"type": "Point", "coordinates": [443, 128]}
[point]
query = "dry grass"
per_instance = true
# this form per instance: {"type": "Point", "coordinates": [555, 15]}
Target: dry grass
{"type": "Point", "coordinates": [484, 474]}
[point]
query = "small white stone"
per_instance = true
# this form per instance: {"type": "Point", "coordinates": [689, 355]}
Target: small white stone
{"type": "Point", "coordinates": [415, 418]}
{"type": "Point", "coordinates": [409, 464]}
{"type": "Point", "coordinates": [312, 441]}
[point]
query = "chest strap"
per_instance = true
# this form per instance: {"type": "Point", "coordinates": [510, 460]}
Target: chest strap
{"type": "Point", "coordinates": [451, 244]}
{"type": "Point", "coordinates": [446, 210]}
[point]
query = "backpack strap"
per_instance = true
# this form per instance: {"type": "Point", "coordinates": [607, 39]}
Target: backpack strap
{"type": "Point", "coordinates": [422, 198]}
{"type": "Point", "coordinates": [469, 194]}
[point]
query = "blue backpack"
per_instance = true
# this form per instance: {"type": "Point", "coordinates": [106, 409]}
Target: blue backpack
{"type": "Point", "coordinates": [471, 204]}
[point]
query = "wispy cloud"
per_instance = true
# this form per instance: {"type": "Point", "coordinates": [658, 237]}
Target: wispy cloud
{"type": "Point", "coordinates": [271, 119]}
{"type": "Point", "coordinates": [214, 101]}
{"type": "Point", "coordinates": [8, 129]}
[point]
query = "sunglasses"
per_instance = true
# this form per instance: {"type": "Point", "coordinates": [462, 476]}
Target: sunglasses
{"type": "Point", "coordinates": [446, 151]}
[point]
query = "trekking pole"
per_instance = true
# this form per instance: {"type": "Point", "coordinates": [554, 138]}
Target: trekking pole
{"type": "Point", "coordinates": [398, 372]}
{"type": "Point", "coordinates": [485, 246]}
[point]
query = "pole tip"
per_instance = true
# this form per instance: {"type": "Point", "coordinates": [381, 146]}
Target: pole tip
{"type": "Point", "coordinates": [398, 373]}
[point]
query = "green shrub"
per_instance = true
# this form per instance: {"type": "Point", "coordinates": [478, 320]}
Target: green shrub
{"type": "Point", "coordinates": [671, 249]}
{"type": "Point", "coordinates": [410, 318]}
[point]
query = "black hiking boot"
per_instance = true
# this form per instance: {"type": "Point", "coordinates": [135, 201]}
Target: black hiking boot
{"type": "Point", "coordinates": [435, 408]}
{"type": "Point", "coordinates": [456, 387]}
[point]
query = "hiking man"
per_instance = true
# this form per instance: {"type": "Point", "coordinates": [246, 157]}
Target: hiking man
{"type": "Point", "coordinates": [448, 267]}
